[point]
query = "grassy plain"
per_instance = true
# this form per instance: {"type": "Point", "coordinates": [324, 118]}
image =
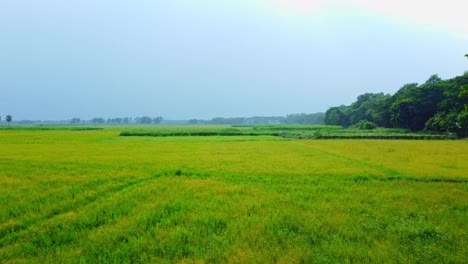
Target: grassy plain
{"type": "Point", "coordinates": [93, 196]}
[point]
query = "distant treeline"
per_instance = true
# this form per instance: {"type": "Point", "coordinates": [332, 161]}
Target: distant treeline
{"type": "Point", "coordinates": [436, 105]}
{"type": "Point", "coordinates": [119, 120]}
{"type": "Point", "coordinates": [296, 119]}
{"type": "Point", "coordinates": [304, 119]}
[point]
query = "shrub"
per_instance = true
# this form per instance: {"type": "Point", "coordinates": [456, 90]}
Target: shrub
{"type": "Point", "coordinates": [365, 125]}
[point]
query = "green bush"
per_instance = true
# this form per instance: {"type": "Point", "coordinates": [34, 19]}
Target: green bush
{"type": "Point", "coordinates": [365, 125]}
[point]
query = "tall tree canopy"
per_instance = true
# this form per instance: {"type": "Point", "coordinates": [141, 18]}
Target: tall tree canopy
{"type": "Point", "coordinates": [439, 105]}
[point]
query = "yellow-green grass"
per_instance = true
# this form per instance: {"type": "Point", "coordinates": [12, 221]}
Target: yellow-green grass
{"type": "Point", "coordinates": [92, 196]}
{"type": "Point", "coordinates": [426, 159]}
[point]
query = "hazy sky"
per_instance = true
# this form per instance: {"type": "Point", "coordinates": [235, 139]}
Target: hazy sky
{"type": "Point", "coordinates": [185, 59]}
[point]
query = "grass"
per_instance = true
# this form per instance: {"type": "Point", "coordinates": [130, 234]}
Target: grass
{"type": "Point", "coordinates": [284, 131]}
{"type": "Point", "coordinates": [177, 132]}
{"type": "Point", "coordinates": [94, 196]}
{"type": "Point", "coordinates": [41, 127]}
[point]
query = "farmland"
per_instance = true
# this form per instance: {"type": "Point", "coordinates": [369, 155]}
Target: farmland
{"type": "Point", "coordinates": [76, 194]}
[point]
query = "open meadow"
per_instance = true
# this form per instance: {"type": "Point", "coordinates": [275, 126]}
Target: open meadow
{"type": "Point", "coordinates": [72, 194]}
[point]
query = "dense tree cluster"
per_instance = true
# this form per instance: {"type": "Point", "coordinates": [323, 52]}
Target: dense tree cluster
{"type": "Point", "coordinates": [98, 120]}
{"type": "Point", "coordinates": [437, 105]}
{"type": "Point", "coordinates": [148, 120]}
{"type": "Point", "coordinates": [305, 119]}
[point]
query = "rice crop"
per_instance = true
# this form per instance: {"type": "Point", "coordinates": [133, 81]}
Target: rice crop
{"type": "Point", "coordinates": [94, 196]}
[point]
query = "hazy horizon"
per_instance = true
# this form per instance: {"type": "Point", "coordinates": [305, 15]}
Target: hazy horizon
{"type": "Point", "coordinates": [185, 59]}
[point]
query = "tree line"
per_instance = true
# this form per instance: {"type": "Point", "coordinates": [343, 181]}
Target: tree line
{"type": "Point", "coordinates": [304, 119]}
{"type": "Point", "coordinates": [436, 105]}
{"type": "Point", "coordinates": [119, 120]}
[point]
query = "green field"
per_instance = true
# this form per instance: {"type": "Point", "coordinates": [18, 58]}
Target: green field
{"type": "Point", "coordinates": [284, 131]}
{"type": "Point", "coordinates": [89, 196]}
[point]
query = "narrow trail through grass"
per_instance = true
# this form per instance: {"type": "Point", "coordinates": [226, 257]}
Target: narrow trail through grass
{"type": "Point", "coordinates": [14, 231]}
{"type": "Point", "coordinates": [388, 171]}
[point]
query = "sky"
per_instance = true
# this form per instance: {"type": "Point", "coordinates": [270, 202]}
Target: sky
{"type": "Point", "coordinates": [184, 59]}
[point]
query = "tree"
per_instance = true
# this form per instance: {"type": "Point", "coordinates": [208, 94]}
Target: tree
{"type": "Point", "coordinates": [9, 118]}
{"type": "Point", "coordinates": [402, 112]}
{"type": "Point", "coordinates": [434, 78]}
{"type": "Point", "coordinates": [442, 122]}
{"type": "Point", "coordinates": [98, 120]}
{"type": "Point", "coordinates": [195, 121]}
{"type": "Point", "coordinates": [157, 120]}
{"type": "Point", "coordinates": [414, 105]}
{"type": "Point", "coordinates": [145, 120]}
{"type": "Point", "coordinates": [435, 105]}
{"type": "Point", "coordinates": [379, 110]}
{"type": "Point", "coordinates": [117, 120]}
{"type": "Point", "coordinates": [373, 107]}
{"type": "Point", "coordinates": [462, 119]}
{"type": "Point", "coordinates": [364, 125]}
{"type": "Point", "coordinates": [436, 123]}
{"type": "Point", "coordinates": [463, 91]}
{"type": "Point", "coordinates": [309, 119]}
{"type": "Point", "coordinates": [75, 120]}
{"type": "Point", "coordinates": [335, 116]}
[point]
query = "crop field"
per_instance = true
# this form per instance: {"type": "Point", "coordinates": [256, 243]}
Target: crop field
{"type": "Point", "coordinates": [285, 131]}
{"type": "Point", "coordinates": [90, 195]}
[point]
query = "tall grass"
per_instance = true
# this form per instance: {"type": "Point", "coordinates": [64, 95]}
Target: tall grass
{"type": "Point", "coordinates": [284, 131]}
{"type": "Point", "coordinates": [197, 132]}
{"type": "Point", "coordinates": [41, 127]}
